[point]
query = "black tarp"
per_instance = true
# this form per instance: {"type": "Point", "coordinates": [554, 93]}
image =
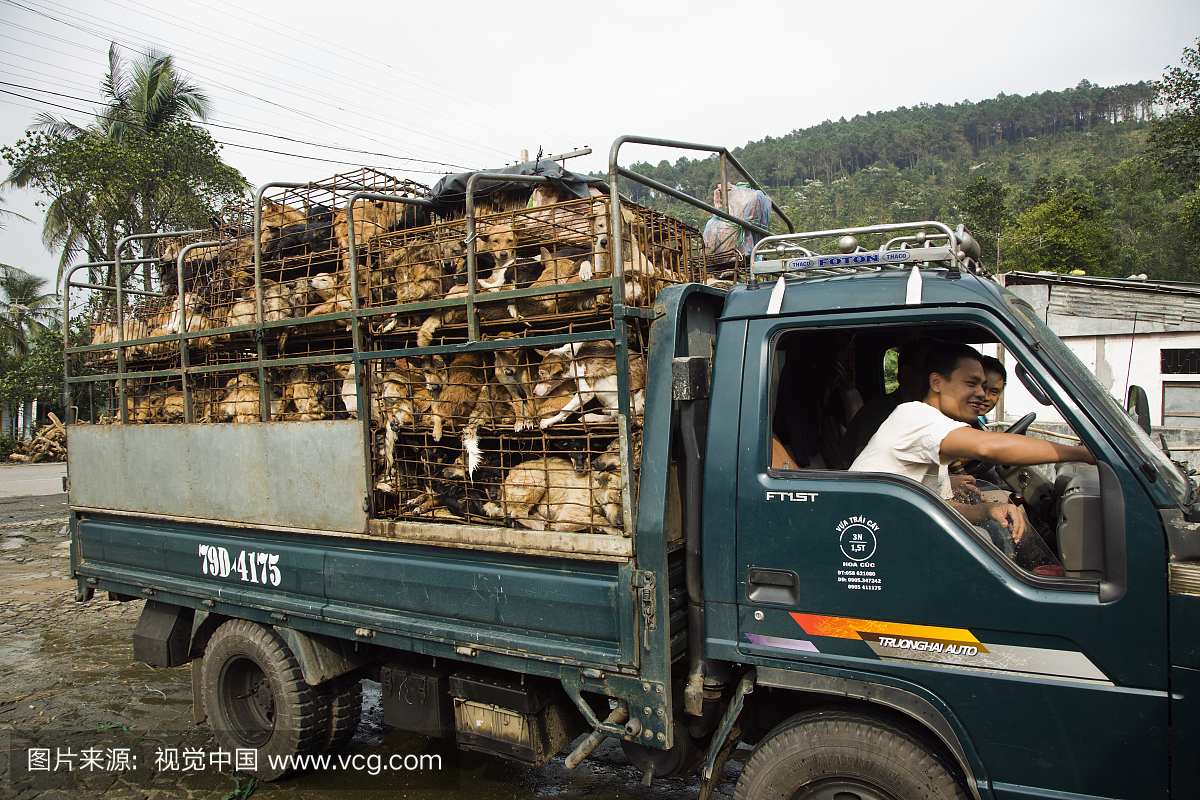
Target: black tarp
{"type": "Point", "coordinates": [449, 195]}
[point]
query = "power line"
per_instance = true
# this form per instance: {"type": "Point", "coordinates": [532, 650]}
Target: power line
{"type": "Point", "coordinates": [93, 27]}
{"type": "Point", "coordinates": [275, 84]}
{"type": "Point", "coordinates": [329, 160]}
{"type": "Point", "coordinates": [258, 133]}
{"type": "Point", "coordinates": [445, 91]}
{"type": "Point", "coordinates": [115, 35]}
{"type": "Point", "coordinates": [243, 146]}
{"type": "Point", "coordinates": [231, 116]}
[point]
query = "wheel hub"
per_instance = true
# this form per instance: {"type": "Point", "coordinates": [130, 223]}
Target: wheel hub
{"type": "Point", "coordinates": [842, 789]}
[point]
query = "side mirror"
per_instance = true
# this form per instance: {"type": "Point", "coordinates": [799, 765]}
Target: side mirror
{"type": "Point", "coordinates": [1138, 407]}
{"type": "Point", "coordinates": [1031, 386]}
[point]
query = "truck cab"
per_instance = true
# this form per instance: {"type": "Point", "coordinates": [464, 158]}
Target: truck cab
{"type": "Point", "coordinates": [1067, 672]}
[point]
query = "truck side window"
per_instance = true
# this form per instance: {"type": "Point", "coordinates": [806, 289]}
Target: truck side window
{"type": "Point", "coordinates": [815, 398]}
{"type": "Point", "coordinates": [815, 394]}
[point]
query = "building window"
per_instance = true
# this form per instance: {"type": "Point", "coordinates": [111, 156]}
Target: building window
{"type": "Point", "coordinates": [1181, 361]}
{"type": "Point", "coordinates": [1180, 404]}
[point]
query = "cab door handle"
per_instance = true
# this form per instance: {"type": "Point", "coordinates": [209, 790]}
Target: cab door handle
{"type": "Point", "coordinates": [777, 587]}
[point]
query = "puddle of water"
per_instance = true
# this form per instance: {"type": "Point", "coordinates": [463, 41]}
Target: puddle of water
{"type": "Point", "coordinates": [26, 576]}
{"type": "Point", "coordinates": [12, 544]}
{"type": "Point", "coordinates": [17, 651]}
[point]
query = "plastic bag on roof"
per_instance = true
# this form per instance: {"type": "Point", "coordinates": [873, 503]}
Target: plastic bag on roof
{"type": "Point", "coordinates": [722, 236]}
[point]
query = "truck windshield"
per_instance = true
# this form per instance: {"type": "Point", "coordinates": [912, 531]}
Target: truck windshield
{"type": "Point", "coordinates": [1172, 477]}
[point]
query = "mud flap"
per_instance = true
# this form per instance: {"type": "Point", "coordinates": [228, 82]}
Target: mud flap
{"type": "Point", "coordinates": [199, 712]}
{"type": "Point", "coordinates": [162, 637]}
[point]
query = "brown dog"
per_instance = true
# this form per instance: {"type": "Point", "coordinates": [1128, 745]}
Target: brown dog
{"type": "Point", "coordinates": [241, 399]}
{"type": "Point", "coordinates": [592, 368]}
{"type": "Point", "coordinates": [454, 389]}
{"type": "Point", "coordinates": [274, 217]}
{"type": "Point", "coordinates": [549, 494]}
{"type": "Point", "coordinates": [304, 394]}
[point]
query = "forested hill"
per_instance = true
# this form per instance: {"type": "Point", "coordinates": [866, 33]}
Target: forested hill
{"type": "Point", "coordinates": [1057, 179]}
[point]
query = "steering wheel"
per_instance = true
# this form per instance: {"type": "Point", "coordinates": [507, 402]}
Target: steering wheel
{"type": "Point", "coordinates": [978, 468]}
{"type": "Point", "coordinates": [1022, 425]}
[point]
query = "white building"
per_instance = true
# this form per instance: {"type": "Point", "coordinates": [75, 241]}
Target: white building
{"type": "Point", "coordinates": [1127, 332]}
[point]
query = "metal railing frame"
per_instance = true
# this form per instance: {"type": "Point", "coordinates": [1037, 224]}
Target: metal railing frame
{"type": "Point", "coordinates": [362, 396]}
{"type": "Point", "coordinates": [66, 316]}
{"type": "Point", "coordinates": [616, 232]}
{"type": "Point", "coordinates": [121, 387]}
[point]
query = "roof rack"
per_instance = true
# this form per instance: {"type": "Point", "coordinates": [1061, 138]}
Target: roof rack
{"type": "Point", "coordinates": [929, 243]}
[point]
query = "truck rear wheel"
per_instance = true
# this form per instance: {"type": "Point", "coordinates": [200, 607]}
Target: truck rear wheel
{"type": "Point", "coordinates": [340, 702]}
{"type": "Point", "coordinates": [820, 755]}
{"type": "Point", "coordinates": [257, 699]}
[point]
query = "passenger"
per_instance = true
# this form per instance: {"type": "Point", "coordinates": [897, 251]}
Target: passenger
{"type": "Point", "coordinates": [922, 437]}
{"type": "Point", "coordinates": [880, 407]}
{"type": "Point", "coordinates": [995, 377]}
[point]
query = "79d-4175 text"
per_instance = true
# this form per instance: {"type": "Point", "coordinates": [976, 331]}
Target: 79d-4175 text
{"type": "Point", "coordinates": [253, 567]}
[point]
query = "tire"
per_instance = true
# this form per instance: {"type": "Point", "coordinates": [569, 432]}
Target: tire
{"type": "Point", "coordinates": [820, 755]}
{"type": "Point", "coordinates": [340, 704]}
{"type": "Point", "coordinates": [257, 699]}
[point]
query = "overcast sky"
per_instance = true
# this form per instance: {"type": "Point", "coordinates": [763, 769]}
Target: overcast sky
{"type": "Point", "coordinates": [432, 87]}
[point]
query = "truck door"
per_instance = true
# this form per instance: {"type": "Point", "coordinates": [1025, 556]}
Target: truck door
{"type": "Point", "coordinates": [876, 578]}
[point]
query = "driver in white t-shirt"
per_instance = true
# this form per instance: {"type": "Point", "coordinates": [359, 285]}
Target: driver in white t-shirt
{"type": "Point", "coordinates": [921, 438]}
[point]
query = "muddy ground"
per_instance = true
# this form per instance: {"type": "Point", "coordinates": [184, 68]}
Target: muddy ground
{"type": "Point", "coordinates": [71, 692]}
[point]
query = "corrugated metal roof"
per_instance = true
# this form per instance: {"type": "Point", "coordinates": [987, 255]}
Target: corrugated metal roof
{"type": "Point", "coordinates": [1168, 304]}
{"type": "Point", "coordinates": [1129, 284]}
{"type": "Point", "coordinates": [1104, 303]}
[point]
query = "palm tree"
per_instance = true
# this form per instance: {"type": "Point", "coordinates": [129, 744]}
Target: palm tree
{"type": "Point", "coordinates": [142, 98]}
{"type": "Point", "coordinates": [148, 95]}
{"type": "Point", "coordinates": [25, 309]}
{"type": "Point", "coordinates": [4, 212]}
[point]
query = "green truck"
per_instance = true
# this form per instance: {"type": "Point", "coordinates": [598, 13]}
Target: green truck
{"type": "Point", "coordinates": [853, 628]}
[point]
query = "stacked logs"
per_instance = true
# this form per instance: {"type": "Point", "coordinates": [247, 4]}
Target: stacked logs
{"type": "Point", "coordinates": [49, 443]}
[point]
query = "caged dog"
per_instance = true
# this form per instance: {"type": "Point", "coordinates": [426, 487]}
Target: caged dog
{"type": "Point", "coordinates": [453, 489]}
{"type": "Point", "coordinates": [274, 218]}
{"type": "Point", "coordinates": [512, 371]}
{"type": "Point", "coordinates": [454, 389]}
{"type": "Point", "coordinates": [304, 393]}
{"type": "Point", "coordinates": [496, 255]}
{"type": "Point", "coordinates": [610, 462]}
{"type": "Point", "coordinates": [334, 293]}
{"type": "Point", "coordinates": [569, 266]}
{"type": "Point", "coordinates": [416, 272]}
{"type": "Point", "coordinates": [374, 217]}
{"type": "Point", "coordinates": [590, 369]}
{"type": "Point", "coordinates": [549, 494]}
{"type": "Point", "coordinates": [241, 402]}
{"type": "Point", "coordinates": [170, 320]}
{"type": "Point", "coordinates": [281, 301]}
{"type": "Point", "coordinates": [403, 401]}
{"type": "Point", "coordinates": [313, 235]}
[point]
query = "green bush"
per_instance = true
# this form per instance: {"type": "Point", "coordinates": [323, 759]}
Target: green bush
{"type": "Point", "coordinates": [8, 445]}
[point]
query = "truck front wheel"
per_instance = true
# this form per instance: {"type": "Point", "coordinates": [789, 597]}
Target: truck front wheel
{"type": "Point", "coordinates": [257, 699]}
{"type": "Point", "coordinates": [821, 755]}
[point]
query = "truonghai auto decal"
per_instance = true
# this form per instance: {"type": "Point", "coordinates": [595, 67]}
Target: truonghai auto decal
{"type": "Point", "coordinates": [956, 648]}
